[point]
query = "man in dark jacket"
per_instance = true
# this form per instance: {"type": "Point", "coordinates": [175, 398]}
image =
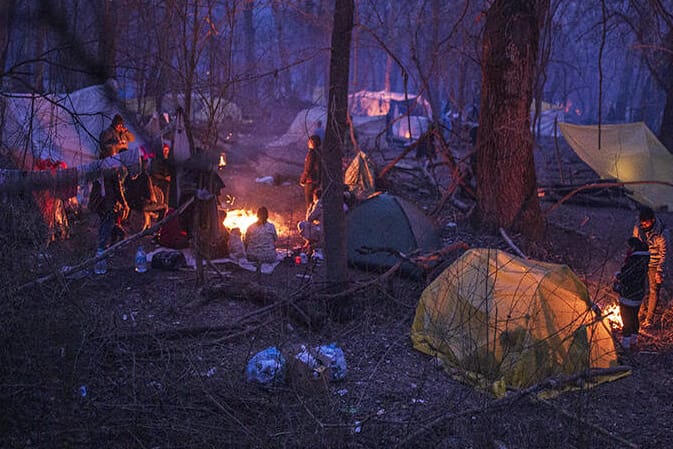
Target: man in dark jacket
{"type": "Point", "coordinates": [631, 288]}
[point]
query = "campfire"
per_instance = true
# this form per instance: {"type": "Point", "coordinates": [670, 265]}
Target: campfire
{"type": "Point", "coordinates": [243, 218]}
{"type": "Point", "coordinates": [611, 312]}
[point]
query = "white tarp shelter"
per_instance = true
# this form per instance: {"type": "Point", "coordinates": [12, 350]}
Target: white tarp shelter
{"type": "Point", "coordinates": [60, 127]}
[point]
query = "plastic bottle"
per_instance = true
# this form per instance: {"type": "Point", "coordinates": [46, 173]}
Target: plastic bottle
{"type": "Point", "coordinates": [101, 265]}
{"type": "Point", "coordinates": [141, 260]}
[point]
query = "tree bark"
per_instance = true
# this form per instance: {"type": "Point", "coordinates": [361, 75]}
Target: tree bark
{"type": "Point", "coordinates": [335, 133]}
{"type": "Point", "coordinates": [108, 39]}
{"type": "Point", "coordinates": [506, 189]}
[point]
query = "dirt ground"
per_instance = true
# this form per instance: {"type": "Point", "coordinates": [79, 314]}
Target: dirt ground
{"type": "Point", "coordinates": [152, 361]}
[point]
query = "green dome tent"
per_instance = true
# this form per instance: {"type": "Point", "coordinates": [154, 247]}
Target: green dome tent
{"type": "Point", "coordinates": [508, 322]}
{"type": "Point", "coordinates": [387, 221]}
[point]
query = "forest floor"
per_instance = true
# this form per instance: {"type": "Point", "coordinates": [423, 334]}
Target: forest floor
{"type": "Point", "coordinates": [152, 361]}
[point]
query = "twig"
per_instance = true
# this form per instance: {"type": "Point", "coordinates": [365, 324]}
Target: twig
{"type": "Point", "coordinates": [511, 244]}
{"type": "Point", "coordinates": [600, 186]}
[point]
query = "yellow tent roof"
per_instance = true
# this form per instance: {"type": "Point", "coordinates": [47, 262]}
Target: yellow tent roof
{"type": "Point", "coordinates": [628, 152]}
{"type": "Point", "coordinates": [509, 322]}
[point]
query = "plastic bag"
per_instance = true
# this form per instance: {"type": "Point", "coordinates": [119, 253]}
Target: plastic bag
{"type": "Point", "coordinates": [266, 367]}
{"type": "Point", "coordinates": [168, 260]}
{"type": "Point", "coordinates": [333, 358]}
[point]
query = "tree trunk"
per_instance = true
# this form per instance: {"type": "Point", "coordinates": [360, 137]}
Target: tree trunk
{"type": "Point", "coordinates": [108, 40]}
{"type": "Point", "coordinates": [666, 129]}
{"type": "Point", "coordinates": [249, 32]}
{"type": "Point", "coordinates": [506, 190]}
{"type": "Point", "coordinates": [335, 133]}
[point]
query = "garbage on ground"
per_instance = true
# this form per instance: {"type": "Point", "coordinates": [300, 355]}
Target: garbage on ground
{"type": "Point", "coordinates": [264, 180]}
{"type": "Point", "coordinates": [333, 357]}
{"type": "Point", "coordinates": [311, 369]}
{"type": "Point", "coordinates": [168, 260]}
{"type": "Point", "coordinates": [267, 367]}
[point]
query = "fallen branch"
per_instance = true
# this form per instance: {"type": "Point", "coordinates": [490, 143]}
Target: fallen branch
{"type": "Point", "coordinates": [77, 268]}
{"type": "Point", "coordinates": [600, 186]}
{"type": "Point", "coordinates": [424, 262]}
{"type": "Point", "coordinates": [511, 244]}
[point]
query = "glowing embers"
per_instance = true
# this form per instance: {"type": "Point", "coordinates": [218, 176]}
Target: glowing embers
{"type": "Point", "coordinates": [243, 218]}
{"type": "Point", "coordinates": [239, 218]}
{"type": "Point", "coordinates": [611, 312]}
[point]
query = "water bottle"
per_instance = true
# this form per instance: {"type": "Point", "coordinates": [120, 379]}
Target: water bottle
{"type": "Point", "coordinates": [141, 260]}
{"type": "Point", "coordinates": [101, 265]}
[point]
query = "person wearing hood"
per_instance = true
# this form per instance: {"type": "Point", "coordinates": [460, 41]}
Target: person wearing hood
{"type": "Point", "coordinates": [655, 235]}
{"type": "Point", "coordinates": [630, 284]}
{"type": "Point", "coordinates": [115, 139]}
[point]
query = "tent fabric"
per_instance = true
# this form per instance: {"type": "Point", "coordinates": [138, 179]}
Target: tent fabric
{"type": "Point", "coordinates": [359, 176]}
{"type": "Point", "coordinates": [378, 103]}
{"type": "Point", "coordinates": [628, 152]}
{"type": "Point", "coordinates": [387, 221]}
{"type": "Point", "coordinates": [509, 322]}
{"type": "Point", "coordinates": [59, 127]}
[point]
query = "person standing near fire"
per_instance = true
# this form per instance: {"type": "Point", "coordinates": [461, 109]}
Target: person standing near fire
{"type": "Point", "coordinates": [655, 235]}
{"type": "Point", "coordinates": [310, 176]}
{"type": "Point", "coordinates": [630, 284]}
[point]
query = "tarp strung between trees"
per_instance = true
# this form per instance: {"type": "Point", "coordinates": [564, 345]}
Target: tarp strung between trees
{"type": "Point", "coordinates": [628, 152]}
{"type": "Point", "coordinates": [509, 322]}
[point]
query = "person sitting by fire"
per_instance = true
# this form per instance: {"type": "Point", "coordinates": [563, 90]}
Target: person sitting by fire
{"type": "Point", "coordinates": [260, 239]}
{"type": "Point", "coordinates": [115, 138]}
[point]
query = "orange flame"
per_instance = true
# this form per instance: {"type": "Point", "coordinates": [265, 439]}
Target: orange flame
{"type": "Point", "coordinates": [613, 316]}
{"type": "Point", "coordinates": [243, 218]}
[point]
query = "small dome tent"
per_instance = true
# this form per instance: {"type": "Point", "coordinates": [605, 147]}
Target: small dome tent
{"type": "Point", "coordinates": [387, 221]}
{"type": "Point", "coordinates": [509, 322]}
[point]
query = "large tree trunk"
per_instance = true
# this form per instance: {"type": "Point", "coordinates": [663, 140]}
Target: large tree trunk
{"type": "Point", "coordinates": [335, 133]}
{"type": "Point", "coordinates": [506, 190]}
{"type": "Point", "coordinates": [108, 39]}
{"type": "Point", "coordinates": [250, 59]}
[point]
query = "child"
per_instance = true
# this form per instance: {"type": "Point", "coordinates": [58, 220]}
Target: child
{"type": "Point", "coordinates": [631, 288]}
{"type": "Point", "coordinates": [236, 248]}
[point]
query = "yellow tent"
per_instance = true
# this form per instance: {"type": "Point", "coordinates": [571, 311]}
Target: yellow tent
{"type": "Point", "coordinates": [508, 322]}
{"type": "Point", "coordinates": [628, 152]}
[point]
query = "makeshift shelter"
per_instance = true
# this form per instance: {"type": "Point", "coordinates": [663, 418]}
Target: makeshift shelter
{"type": "Point", "coordinates": [407, 118]}
{"type": "Point", "coordinates": [508, 322]}
{"type": "Point", "coordinates": [54, 137]}
{"type": "Point", "coordinates": [628, 152]}
{"type": "Point", "coordinates": [387, 221]}
{"type": "Point", "coordinates": [359, 176]}
{"type": "Point", "coordinates": [59, 127]}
